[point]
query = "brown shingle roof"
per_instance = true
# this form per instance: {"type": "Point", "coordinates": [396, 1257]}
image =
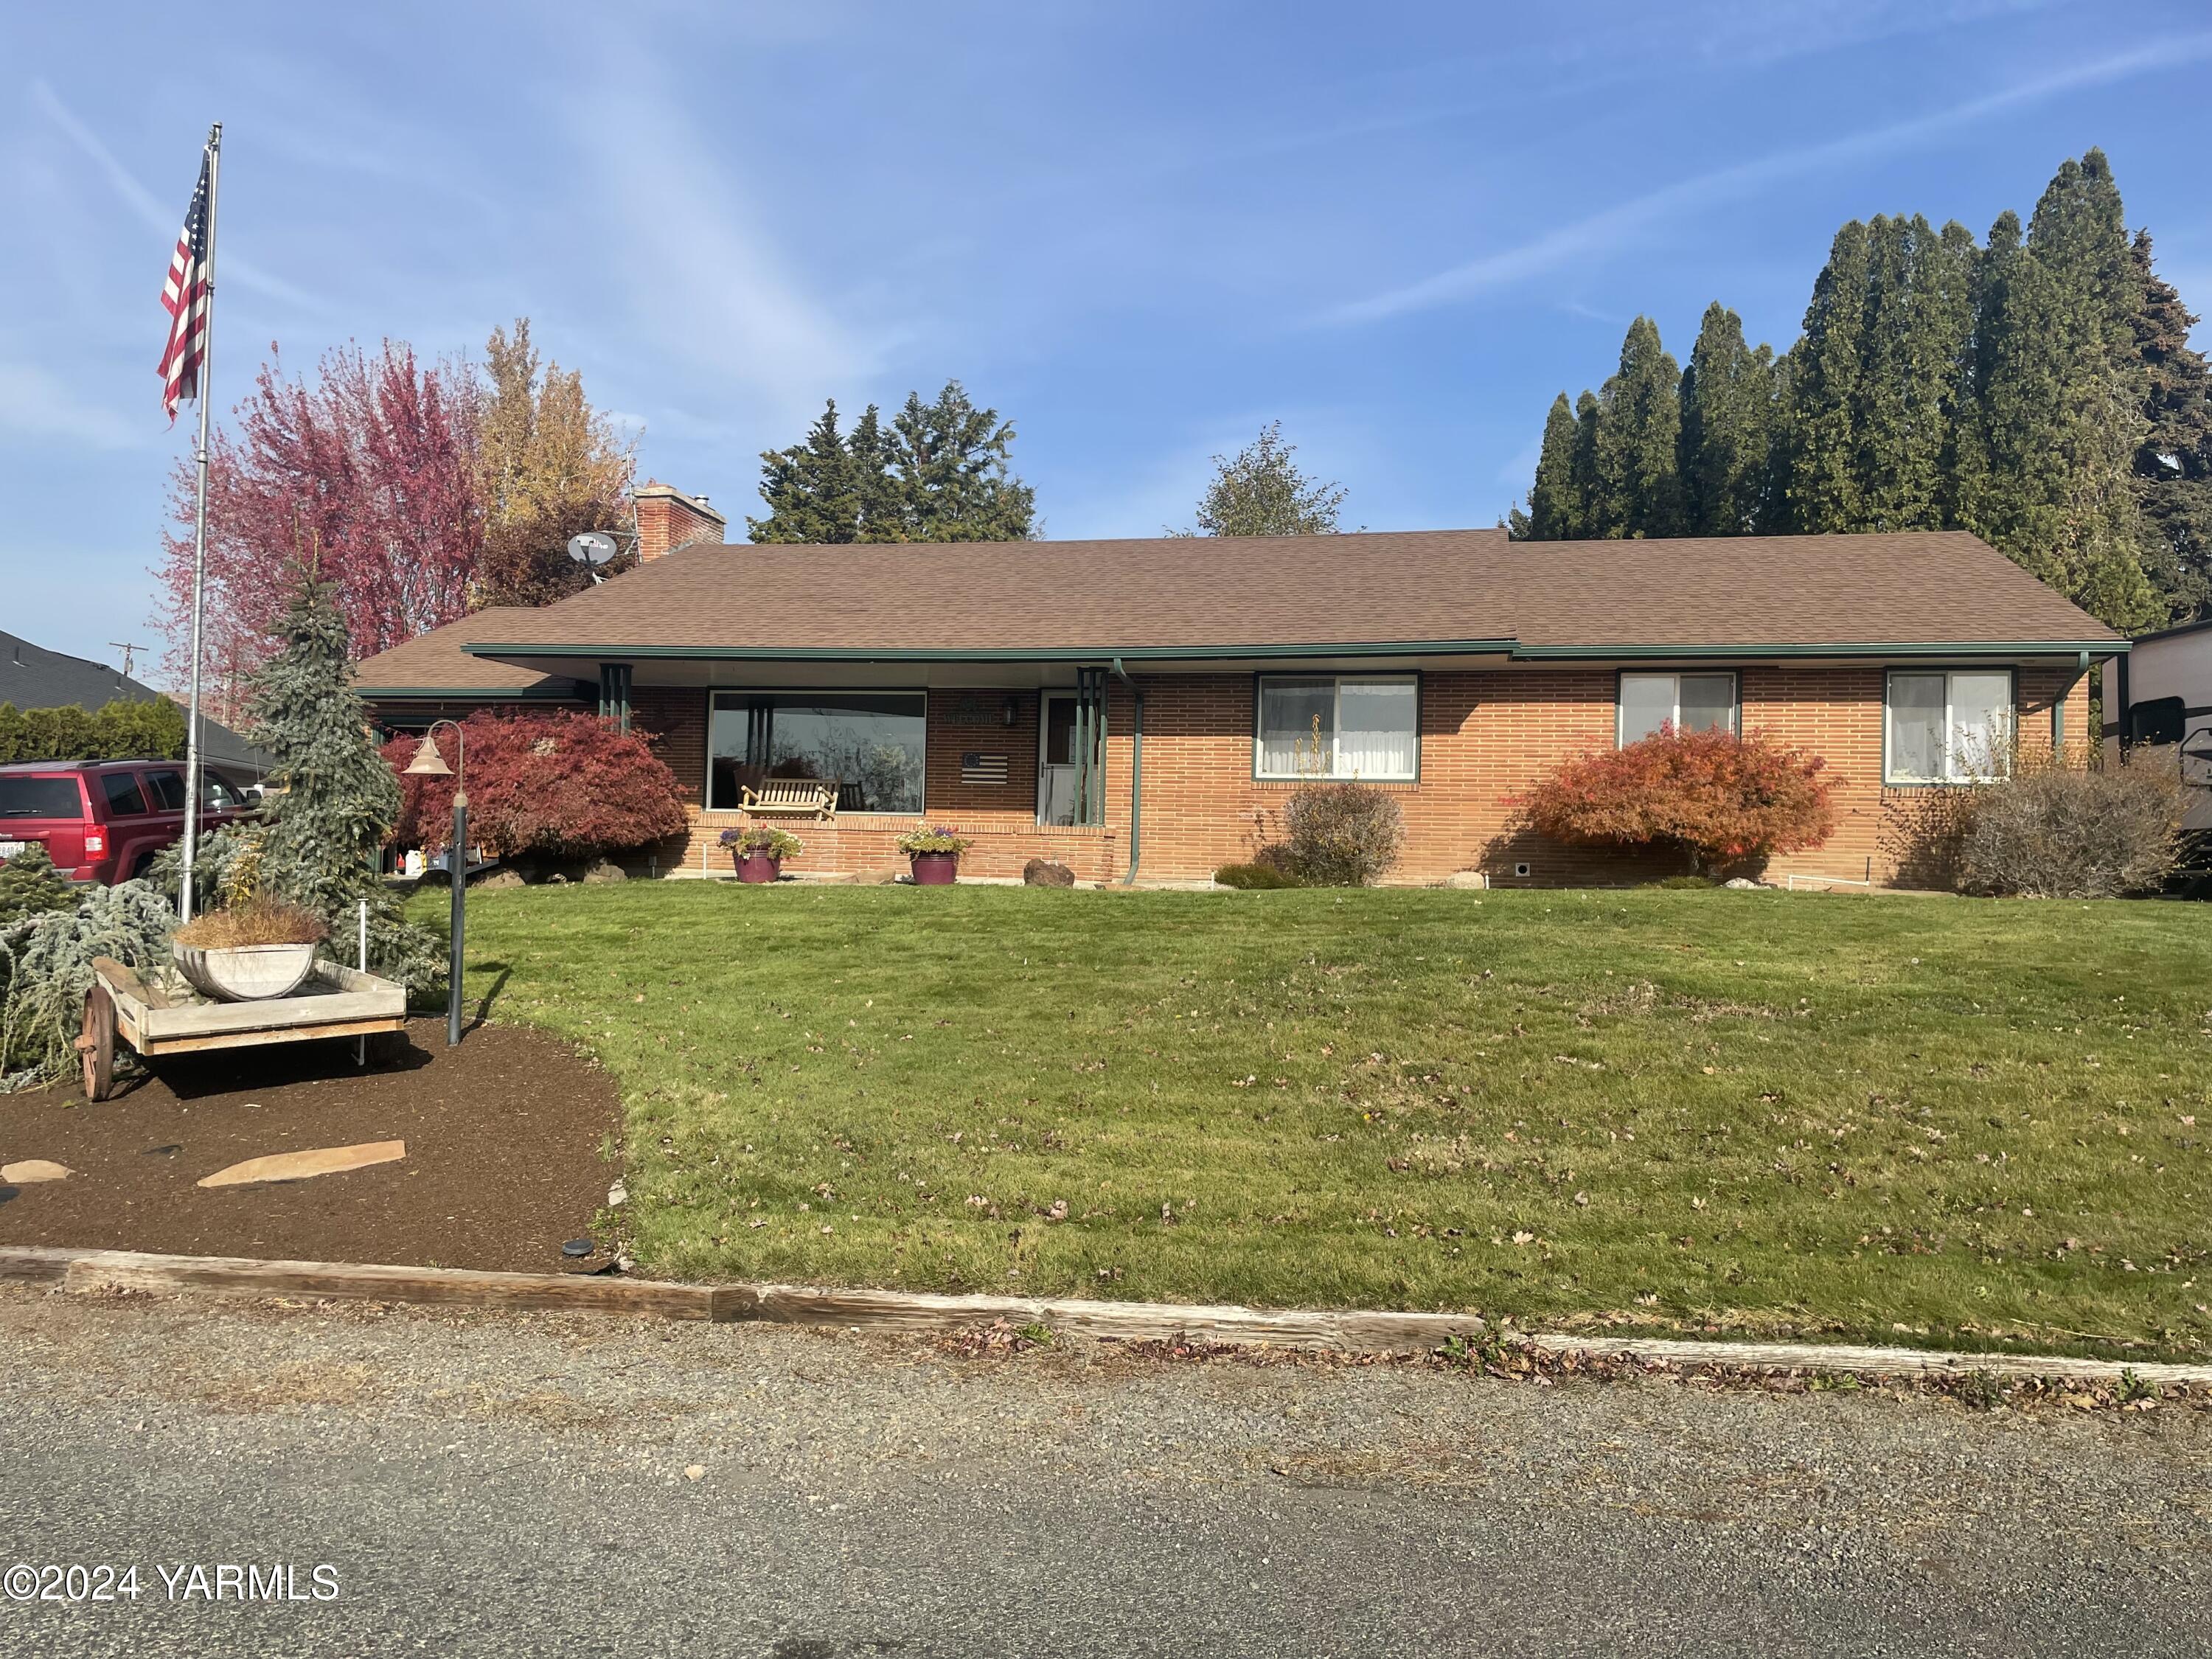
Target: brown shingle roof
{"type": "Point", "coordinates": [435, 662]}
{"type": "Point", "coordinates": [1433, 586]}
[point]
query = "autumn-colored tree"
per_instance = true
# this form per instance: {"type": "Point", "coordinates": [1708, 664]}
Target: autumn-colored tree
{"type": "Point", "coordinates": [368, 468]}
{"type": "Point", "coordinates": [548, 465]}
{"type": "Point", "coordinates": [1719, 798]}
{"type": "Point", "coordinates": [559, 786]}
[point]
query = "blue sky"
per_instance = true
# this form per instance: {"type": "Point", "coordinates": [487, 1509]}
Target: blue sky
{"type": "Point", "coordinates": [1139, 230]}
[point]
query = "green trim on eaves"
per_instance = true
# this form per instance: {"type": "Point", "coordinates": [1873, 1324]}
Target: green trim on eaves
{"type": "Point", "coordinates": [935, 654]}
{"type": "Point", "coordinates": [1977, 648]}
{"type": "Point", "coordinates": [1245, 652]}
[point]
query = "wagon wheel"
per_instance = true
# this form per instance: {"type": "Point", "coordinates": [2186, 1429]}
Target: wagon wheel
{"type": "Point", "coordinates": [97, 1045]}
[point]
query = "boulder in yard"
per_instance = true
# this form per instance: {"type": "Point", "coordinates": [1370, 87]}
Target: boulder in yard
{"type": "Point", "coordinates": [1044, 872]}
{"type": "Point", "coordinates": [604, 870]}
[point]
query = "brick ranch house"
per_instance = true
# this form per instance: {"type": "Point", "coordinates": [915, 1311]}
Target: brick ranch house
{"type": "Point", "coordinates": [1141, 709]}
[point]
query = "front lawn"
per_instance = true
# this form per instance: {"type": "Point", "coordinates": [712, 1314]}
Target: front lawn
{"type": "Point", "coordinates": [1974, 1121]}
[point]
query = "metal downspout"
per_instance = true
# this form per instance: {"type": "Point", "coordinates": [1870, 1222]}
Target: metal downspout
{"type": "Point", "coordinates": [1136, 773]}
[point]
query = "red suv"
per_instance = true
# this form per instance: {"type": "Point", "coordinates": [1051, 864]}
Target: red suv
{"type": "Point", "coordinates": [103, 821]}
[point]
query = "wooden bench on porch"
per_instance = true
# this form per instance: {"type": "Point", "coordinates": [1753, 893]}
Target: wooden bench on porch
{"type": "Point", "coordinates": [792, 798]}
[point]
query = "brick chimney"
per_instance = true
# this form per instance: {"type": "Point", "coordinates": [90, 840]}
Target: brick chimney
{"type": "Point", "coordinates": [667, 518]}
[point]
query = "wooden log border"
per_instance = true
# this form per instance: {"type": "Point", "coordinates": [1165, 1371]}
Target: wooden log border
{"type": "Point", "coordinates": [85, 1271]}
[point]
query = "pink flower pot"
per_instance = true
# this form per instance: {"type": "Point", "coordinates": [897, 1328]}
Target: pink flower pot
{"type": "Point", "coordinates": [935, 869]}
{"type": "Point", "coordinates": [757, 866]}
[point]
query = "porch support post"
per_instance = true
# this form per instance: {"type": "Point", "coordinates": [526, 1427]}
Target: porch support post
{"type": "Point", "coordinates": [1136, 773]}
{"type": "Point", "coordinates": [614, 693]}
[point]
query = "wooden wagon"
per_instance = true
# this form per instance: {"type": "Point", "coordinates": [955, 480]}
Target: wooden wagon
{"type": "Point", "coordinates": [337, 1001]}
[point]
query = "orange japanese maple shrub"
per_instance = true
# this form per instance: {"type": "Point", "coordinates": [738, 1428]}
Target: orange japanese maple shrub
{"type": "Point", "coordinates": [1719, 798]}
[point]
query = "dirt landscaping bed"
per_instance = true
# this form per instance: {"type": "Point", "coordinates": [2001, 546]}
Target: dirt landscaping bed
{"type": "Point", "coordinates": [506, 1140]}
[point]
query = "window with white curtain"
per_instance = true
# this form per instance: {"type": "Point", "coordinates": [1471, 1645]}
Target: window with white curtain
{"type": "Point", "coordinates": [1947, 727]}
{"type": "Point", "coordinates": [1339, 725]}
{"type": "Point", "coordinates": [1687, 703]}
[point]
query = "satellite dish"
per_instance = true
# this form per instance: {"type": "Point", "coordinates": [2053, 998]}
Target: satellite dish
{"type": "Point", "coordinates": [593, 549]}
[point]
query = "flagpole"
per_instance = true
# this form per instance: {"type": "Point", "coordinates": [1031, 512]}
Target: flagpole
{"type": "Point", "coordinates": [199, 546]}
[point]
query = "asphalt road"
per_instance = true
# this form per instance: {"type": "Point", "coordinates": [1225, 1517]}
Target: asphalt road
{"type": "Point", "coordinates": [493, 1485]}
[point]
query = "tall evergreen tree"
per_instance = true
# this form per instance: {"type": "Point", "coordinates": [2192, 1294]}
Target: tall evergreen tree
{"type": "Point", "coordinates": [2173, 464]}
{"type": "Point", "coordinates": [1919, 316]}
{"type": "Point", "coordinates": [812, 493]}
{"type": "Point", "coordinates": [938, 473]}
{"type": "Point", "coordinates": [1595, 514]}
{"type": "Point", "coordinates": [1638, 433]}
{"type": "Point", "coordinates": [1726, 429]}
{"type": "Point", "coordinates": [2062, 402]}
{"type": "Point", "coordinates": [332, 802]}
{"type": "Point", "coordinates": [1555, 506]}
{"type": "Point", "coordinates": [951, 459]}
{"type": "Point", "coordinates": [1824, 487]}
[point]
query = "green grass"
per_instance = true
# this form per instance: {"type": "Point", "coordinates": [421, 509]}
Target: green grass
{"type": "Point", "coordinates": [1969, 1121]}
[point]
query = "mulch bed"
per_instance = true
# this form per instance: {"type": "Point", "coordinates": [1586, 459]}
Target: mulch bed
{"type": "Point", "coordinates": [504, 1159]}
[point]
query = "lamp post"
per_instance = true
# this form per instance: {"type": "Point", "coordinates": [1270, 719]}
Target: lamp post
{"type": "Point", "coordinates": [429, 764]}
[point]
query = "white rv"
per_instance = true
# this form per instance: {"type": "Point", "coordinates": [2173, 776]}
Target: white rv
{"type": "Point", "coordinates": [2161, 692]}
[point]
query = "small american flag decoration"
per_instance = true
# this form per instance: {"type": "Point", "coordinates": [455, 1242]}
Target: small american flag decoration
{"type": "Point", "coordinates": [982, 769]}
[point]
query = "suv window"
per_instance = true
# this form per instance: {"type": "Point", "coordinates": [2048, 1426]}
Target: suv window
{"type": "Point", "coordinates": [40, 798]}
{"type": "Point", "coordinates": [167, 789]}
{"type": "Point", "coordinates": [124, 798]}
{"type": "Point", "coordinates": [217, 793]}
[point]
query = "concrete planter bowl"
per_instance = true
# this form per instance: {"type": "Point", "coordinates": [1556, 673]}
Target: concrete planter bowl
{"type": "Point", "coordinates": [935, 869]}
{"type": "Point", "coordinates": [757, 867]}
{"type": "Point", "coordinates": [245, 973]}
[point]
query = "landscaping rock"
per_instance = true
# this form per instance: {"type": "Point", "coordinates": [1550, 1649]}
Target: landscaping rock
{"type": "Point", "coordinates": [499, 879]}
{"type": "Point", "coordinates": [298, 1166]}
{"type": "Point", "coordinates": [1044, 872]}
{"type": "Point", "coordinates": [1742, 884]}
{"type": "Point", "coordinates": [603, 870]}
{"type": "Point", "coordinates": [32, 1170]}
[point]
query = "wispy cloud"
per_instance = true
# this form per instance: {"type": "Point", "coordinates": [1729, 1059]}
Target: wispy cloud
{"type": "Point", "coordinates": [39, 407]}
{"type": "Point", "coordinates": [168, 219]}
{"type": "Point", "coordinates": [705, 278]}
{"type": "Point", "coordinates": [1608, 231]}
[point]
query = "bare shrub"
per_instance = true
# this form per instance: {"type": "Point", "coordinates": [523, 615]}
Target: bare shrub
{"type": "Point", "coordinates": [2053, 830]}
{"type": "Point", "coordinates": [1339, 834]}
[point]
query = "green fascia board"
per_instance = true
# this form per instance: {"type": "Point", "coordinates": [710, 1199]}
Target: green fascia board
{"type": "Point", "coordinates": [1857, 648]}
{"type": "Point", "coordinates": [932, 653]}
{"type": "Point", "coordinates": [1245, 652]}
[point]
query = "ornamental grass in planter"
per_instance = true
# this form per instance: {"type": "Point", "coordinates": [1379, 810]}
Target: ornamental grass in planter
{"type": "Point", "coordinates": [758, 851]}
{"type": "Point", "coordinates": [255, 950]}
{"type": "Point", "coordinates": [934, 852]}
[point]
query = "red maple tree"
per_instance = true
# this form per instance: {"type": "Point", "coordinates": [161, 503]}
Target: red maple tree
{"type": "Point", "coordinates": [1720, 798]}
{"type": "Point", "coordinates": [560, 786]}
{"type": "Point", "coordinates": [367, 469]}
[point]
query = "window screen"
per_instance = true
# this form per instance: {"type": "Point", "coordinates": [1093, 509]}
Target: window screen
{"type": "Point", "coordinates": [1688, 703]}
{"type": "Point", "coordinates": [1948, 728]}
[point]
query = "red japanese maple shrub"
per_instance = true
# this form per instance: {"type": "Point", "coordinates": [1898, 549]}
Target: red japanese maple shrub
{"type": "Point", "coordinates": [560, 786]}
{"type": "Point", "coordinates": [1719, 798]}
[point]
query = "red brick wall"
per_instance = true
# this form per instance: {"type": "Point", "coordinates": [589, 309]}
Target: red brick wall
{"type": "Point", "coordinates": [1485, 736]}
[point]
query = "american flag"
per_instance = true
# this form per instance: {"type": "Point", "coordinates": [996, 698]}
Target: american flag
{"type": "Point", "coordinates": [184, 297]}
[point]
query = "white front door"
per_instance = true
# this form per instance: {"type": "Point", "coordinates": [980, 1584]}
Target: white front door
{"type": "Point", "coordinates": [1056, 759]}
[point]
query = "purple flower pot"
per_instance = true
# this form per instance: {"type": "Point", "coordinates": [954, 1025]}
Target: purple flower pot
{"type": "Point", "coordinates": [935, 869]}
{"type": "Point", "coordinates": [757, 866]}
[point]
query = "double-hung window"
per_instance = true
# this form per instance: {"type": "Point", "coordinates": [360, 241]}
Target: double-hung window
{"type": "Point", "coordinates": [1687, 703]}
{"type": "Point", "coordinates": [1943, 726]}
{"type": "Point", "coordinates": [1339, 725]}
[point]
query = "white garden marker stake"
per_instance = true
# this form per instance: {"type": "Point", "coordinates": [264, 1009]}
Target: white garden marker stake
{"type": "Point", "coordinates": [360, 1043]}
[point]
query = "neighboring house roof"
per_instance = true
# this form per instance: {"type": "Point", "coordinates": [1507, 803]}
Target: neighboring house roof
{"type": "Point", "coordinates": [433, 665]}
{"type": "Point", "coordinates": [32, 676]}
{"type": "Point", "coordinates": [1441, 591]}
